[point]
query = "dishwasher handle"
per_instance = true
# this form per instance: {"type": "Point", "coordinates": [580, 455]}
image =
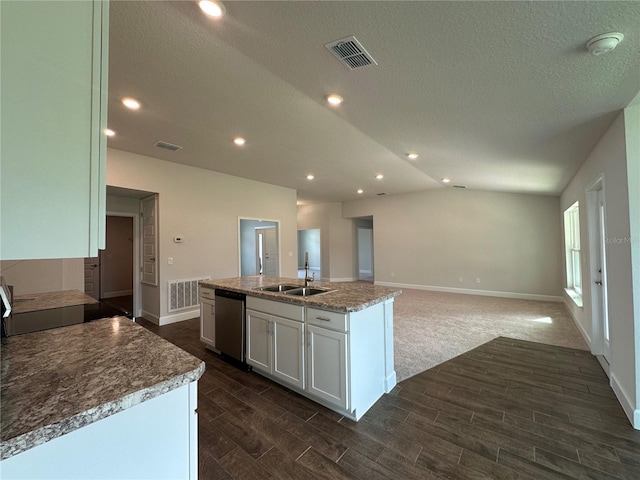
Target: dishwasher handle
{"type": "Point", "coordinates": [229, 294]}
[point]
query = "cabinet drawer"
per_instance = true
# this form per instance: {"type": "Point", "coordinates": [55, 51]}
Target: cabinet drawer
{"type": "Point", "coordinates": [208, 293]}
{"type": "Point", "coordinates": [326, 319]}
{"type": "Point", "coordinates": [281, 309]}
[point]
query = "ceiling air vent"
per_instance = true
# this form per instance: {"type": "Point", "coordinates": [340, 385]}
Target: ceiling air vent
{"type": "Point", "coordinates": [351, 53]}
{"type": "Point", "coordinates": [167, 146]}
{"type": "Point", "coordinates": [459, 186]}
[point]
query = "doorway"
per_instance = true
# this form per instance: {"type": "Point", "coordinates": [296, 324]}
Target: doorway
{"type": "Point", "coordinates": [309, 242]}
{"type": "Point", "coordinates": [596, 224]}
{"type": "Point", "coordinates": [259, 247]}
{"type": "Point", "coordinates": [116, 262]}
{"type": "Point", "coordinates": [364, 247]}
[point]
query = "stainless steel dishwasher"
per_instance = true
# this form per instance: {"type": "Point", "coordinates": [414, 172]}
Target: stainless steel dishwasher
{"type": "Point", "coordinates": [230, 325]}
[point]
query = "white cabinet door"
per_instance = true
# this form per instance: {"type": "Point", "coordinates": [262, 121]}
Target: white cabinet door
{"type": "Point", "coordinates": [327, 376]}
{"type": "Point", "coordinates": [258, 352]}
{"type": "Point", "coordinates": [208, 323]}
{"type": "Point", "coordinates": [52, 116]}
{"type": "Point", "coordinates": [288, 358]}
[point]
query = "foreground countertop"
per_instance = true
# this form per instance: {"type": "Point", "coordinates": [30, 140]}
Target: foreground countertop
{"type": "Point", "coordinates": [345, 297]}
{"type": "Point", "coordinates": [56, 381]}
{"type": "Point", "coordinates": [44, 301]}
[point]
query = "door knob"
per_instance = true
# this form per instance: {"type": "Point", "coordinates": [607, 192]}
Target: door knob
{"type": "Point", "coordinates": [598, 282]}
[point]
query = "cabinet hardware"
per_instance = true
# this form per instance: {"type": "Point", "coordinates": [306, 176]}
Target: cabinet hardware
{"type": "Point", "coordinates": [324, 319]}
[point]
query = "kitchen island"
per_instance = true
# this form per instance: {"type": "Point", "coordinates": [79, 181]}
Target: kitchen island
{"type": "Point", "coordinates": [104, 399]}
{"type": "Point", "coordinates": [334, 346]}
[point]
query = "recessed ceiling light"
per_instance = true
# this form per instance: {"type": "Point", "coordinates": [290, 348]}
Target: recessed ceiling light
{"type": "Point", "coordinates": [239, 141]}
{"type": "Point", "coordinates": [446, 180]}
{"type": "Point", "coordinates": [212, 8]}
{"type": "Point", "coordinates": [360, 190]}
{"type": "Point", "coordinates": [412, 155]}
{"type": "Point", "coordinates": [379, 176]}
{"type": "Point", "coordinates": [131, 103]}
{"type": "Point", "coordinates": [334, 99]}
{"type": "Point", "coordinates": [108, 132]}
{"type": "Point", "coordinates": [310, 177]}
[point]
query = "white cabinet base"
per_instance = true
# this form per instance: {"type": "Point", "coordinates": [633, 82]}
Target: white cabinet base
{"type": "Point", "coordinates": [157, 439]}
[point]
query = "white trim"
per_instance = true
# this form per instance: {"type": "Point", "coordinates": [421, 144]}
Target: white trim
{"type": "Point", "coordinates": [149, 316]}
{"type": "Point", "coordinates": [627, 405]}
{"type": "Point", "coordinates": [239, 240]}
{"type": "Point", "coordinates": [468, 291]}
{"type": "Point", "coordinates": [179, 317]}
{"type": "Point", "coordinates": [604, 364]}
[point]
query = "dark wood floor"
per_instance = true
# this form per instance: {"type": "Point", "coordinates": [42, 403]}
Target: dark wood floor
{"type": "Point", "coordinates": [509, 409]}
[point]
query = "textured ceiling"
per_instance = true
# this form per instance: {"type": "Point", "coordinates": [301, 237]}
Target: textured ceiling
{"type": "Point", "coordinates": [497, 96]}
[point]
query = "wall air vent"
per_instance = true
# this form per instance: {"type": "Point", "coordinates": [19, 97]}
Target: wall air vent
{"type": "Point", "coordinates": [351, 53]}
{"type": "Point", "coordinates": [167, 146]}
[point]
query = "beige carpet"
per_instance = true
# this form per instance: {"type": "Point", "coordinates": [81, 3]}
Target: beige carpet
{"type": "Point", "coordinates": [432, 327]}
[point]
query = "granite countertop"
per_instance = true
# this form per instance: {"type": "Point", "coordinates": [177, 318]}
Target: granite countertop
{"type": "Point", "coordinates": [45, 301]}
{"type": "Point", "coordinates": [56, 381]}
{"type": "Point", "coordinates": [345, 297]}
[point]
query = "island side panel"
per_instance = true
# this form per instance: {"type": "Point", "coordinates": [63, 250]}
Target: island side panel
{"type": "Point", "coordinates": [389, 366]}
{"type": "Point", "coordinates": [121, 446]}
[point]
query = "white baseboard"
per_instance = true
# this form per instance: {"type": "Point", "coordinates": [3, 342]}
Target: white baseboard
{"type": "Point", "coordinates": [390, 382]}
{"type": "Point", "coordinates": [150, 316]}
{"type": "Point", "coordinates": [633, 414]}
{"type": "Point", "coordinates": [469, 291]}
{"type": "Point", "coordinates": [179, 317]}
{"type": "Point", "coordinates": [120, 293]}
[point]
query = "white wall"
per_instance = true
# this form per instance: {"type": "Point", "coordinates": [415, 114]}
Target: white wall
{"type": "Point", "coordinates": [37, 276]}
{"type": "Point", "coordinates": [609, 158]}
{"type": "Point", "coordinates": [203, 207]}
{"type": "Point", "coordinates": [511, 242]}
{"type": "Point", "coordinates": [336, 239]}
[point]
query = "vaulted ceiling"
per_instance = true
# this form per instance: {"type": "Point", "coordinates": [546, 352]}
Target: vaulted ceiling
{"type": "Point", "coordinates": [498, 96]}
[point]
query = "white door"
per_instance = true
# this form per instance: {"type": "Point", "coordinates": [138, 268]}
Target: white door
{"type": "Point", "coordinates": [149, 214]}
{"type": "Point", "coordinates": [327, 357]}
{"type": "Point", "coordinates": [288, 358]}
{"type": "Point", "coordinates": [601, 280]}
{"type": "Point", "coordinates": [258, 352]}
{"type": "Point", "coordinates": [270, 239]}
{"type": "Point", "coordinates": [92, 277]}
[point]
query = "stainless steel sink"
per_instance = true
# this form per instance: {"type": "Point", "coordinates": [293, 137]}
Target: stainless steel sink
{"type": "Point", "coordinates": [307, 291]}
{"type": "Point", "coordinates": [283, 287]}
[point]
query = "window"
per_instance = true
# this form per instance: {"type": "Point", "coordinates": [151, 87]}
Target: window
{"type": "Point", "coordinates": [572, 252]}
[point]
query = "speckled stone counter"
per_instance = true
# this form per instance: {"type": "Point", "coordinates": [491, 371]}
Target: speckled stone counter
{"type": "Point", "coordinates": [45, 301]}
{"type": "Point", "coordinates": [56, 381]}
{"type": "Point", "coordinates": [345, 297]}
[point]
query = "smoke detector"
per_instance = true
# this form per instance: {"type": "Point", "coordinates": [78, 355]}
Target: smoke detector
{"type": "Point", "coordinates": [604, 43]}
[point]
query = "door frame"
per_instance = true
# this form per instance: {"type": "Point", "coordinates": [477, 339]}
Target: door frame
{"type": "Point", "coordinates": [594, 231]}
{"type": "Point", "coordinates": [239, 241]}
{"type": "Point", "coordinates": [136, 259]}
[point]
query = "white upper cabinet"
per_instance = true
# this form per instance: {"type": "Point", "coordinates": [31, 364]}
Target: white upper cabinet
{"type": "Point", "coordinates": [53, 112]}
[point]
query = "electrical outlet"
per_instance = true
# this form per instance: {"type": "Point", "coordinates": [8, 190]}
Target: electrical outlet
{"type": "Point", "coordinates": [460, 279]}
{"type": "Point", "coordinates": [477, 279]}
{"type": "Point", "coordinates": [170, 260]}
{"type": "Point", "coordinates": [393, 274]}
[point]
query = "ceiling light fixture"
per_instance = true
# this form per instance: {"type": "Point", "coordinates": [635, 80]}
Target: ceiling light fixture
{"type": "Point", "coordinates": [131, 103]}
{"type": "Point", "coordinates": [412, 155]}
{"type": "Point", "coordinates": [334, 99]}
{"type": "Point", "coordinates": [446, 180]}
{"type": "Point", "coordinates": [212, 8]}
{"type": "Point", "coordinates": [379, 176]}
{"type": "Point", "coordinates": [360, 190]}
{"type": "Point", "coordinates": [604, 43]}
{"type": "Point", "coordinates": [108, 132]}
{"type": "Point", "coordinates": [239, 141]}
{"type": "Point", "coordinates": [310, 177]}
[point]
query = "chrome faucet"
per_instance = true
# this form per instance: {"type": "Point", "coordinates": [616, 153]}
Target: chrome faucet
{"type": "Point", "coordinates": [307, 279]}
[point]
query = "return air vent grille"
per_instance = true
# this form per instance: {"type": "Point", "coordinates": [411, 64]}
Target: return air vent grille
{"type": "Point", "coordinates": [167, 146]}
{"type": "Point", "coordinates": [351, 53]}
{"type": "Point", "coordinates": [184, 293]}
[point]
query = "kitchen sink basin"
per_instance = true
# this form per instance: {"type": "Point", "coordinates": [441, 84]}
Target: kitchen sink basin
{"type": "Point", "coordinates": [283, 287]}
{"type": "Point", "coordinates": [307, 291]}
